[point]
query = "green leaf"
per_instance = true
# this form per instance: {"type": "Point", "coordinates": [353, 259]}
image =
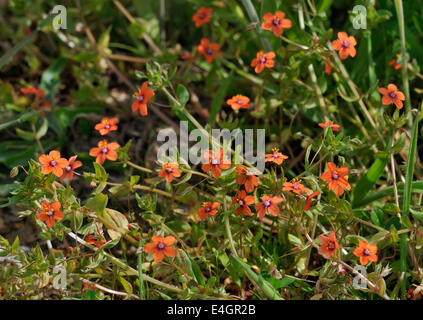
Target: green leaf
{"type": "Point", "coordinates": [366, 182]}
{"type": "Point", "coordinates": [183, 95]}
{"type": "Point", "coordinates": [267, 288]}
{"type": "Point", "coordinates": [97, 203]}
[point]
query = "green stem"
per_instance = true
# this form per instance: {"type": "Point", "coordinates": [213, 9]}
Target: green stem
{"type": "Point", "coordinates": [142, 296]}
{"type": "Point", "coordinates": [400, 14]}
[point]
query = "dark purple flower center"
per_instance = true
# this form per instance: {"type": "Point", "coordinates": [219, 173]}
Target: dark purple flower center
{"type": "Point", "coordinates": [392, 95]}
{"type": "Point", "coordinates": [105, 150]}
{"type": "Point", "coordinates": [241, 203]}
{"type": "Point", "coordinates": [209, 51]}
{"type": "Point", "coordinates": [345, 44]}
{"type": "Point", "coordinates": [207, 209]}
{"type": "Point", "coordinates": [275, 155]}
{"type": "Point", "coordinates": [53, 163]}
{"type": "Point", "coordinates": [215, 161]}
{"type": "Point", "coordinates": [239, 101]}
{"type": "Point", "coordinates": [366, 252]}
{"type": "Point", "coordinates": [140, 97]}
{"type": "Point", "coordinates": [276, 22]}
{"type": "Point", "coordinates": [262, 60]}
{"type": "Point", "coordinates": [107, 126]}
{"type": "Point", "coordinates": [335, 176]}
{"type": "Point", "coordinates": [161, 245]}
{"type": "Point", "coordinates": [169, 170]}
{"type": "Point", "coordinates": [50, 212]}
{"type": "Point", "coordinates": [201, 15]}
{"type": "Point", "coordinates": [267, 203]}
{"type": "Point", "coordinates": [331, 246]}
{"type": "Point", "coordinates": [68, 168]}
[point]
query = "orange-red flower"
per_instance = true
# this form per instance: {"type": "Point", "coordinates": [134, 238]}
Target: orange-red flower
{"type": "Point", "coordinates": [246, 177]}
{"type": "Point", "coordinates": [329, 245]}
{"type": "Point", "coordinates": [68, 171]}
{"type": "Point", "coordinates": [98, 242]}
{"type": "Point", "coordinates": [53, 163]}
{"type": "Point", "coordinates": [337, 178]}
{"type": "Point", "coordinates": [239, 102]}
{"type": "Point", "coordinates": [40, 95]}
{"type": "Point", "coordinates": [276, 22]}
{"type": "Point", "coordinates": [295, 186]}
{"type": "Point", "coordinates": [393, 63]}
{"type": "Point", "coordinates": [328, 68]}
{"type": "Point", "coordinates": [216, 163]}
{"type": "Point", "coordinates": [208, 209]}
{"type": "Point", "coordinates": [104, 151]}
{"type": "Point", "coordinates": [275, 157]}
{"type": "Point", "coordinates": [366, 252]}
{"type": "Point", "coordinates": [142, 96]}
{"type": "Point", "coordinates": [392, 95]}
{"type": "Point", "coordinates": [29, 90]}
{"type": "Point", "coordinates": [243, 201]}
{"type": "Point", "coordinates": [170, 171]}
{"type": "Point", "coordinates": [50, 213]}
{"type": "Point", "coordinates": [161, 247]}
{"type": "Point", "coordinates": [269, 204]}
{"type": "Point", "coordinates": [209, 50]}
{"type": "Point", "coordinates": [410, 295]}
{"type": "Point", "coordinates": [307, 203]}
{"type": "Point", "coordinates": [202, 16]}
{"type": "Point", "coordinates": [263, 60]}
{"type": "Point", "coordinates": [345, 45]}
{"type": "Point", "coordinates": [335, 127]}
{"type": "Point", "coordinates": [106, 125]}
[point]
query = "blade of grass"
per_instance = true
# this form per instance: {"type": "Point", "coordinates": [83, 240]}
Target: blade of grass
{"type": "Point", "coordinates": [407, 200]}
{"type": "Point", "coordinates": [11, 53]}
{"type": "Point", "coordinates": [416, 187]}
{"type": "Point", "coordinates": [218, 99]}
{"type": "Point", "coordinates": [252, 14]}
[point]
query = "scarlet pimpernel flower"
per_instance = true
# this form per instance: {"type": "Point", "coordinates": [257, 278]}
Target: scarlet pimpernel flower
{"type": "Point", "coordinates": [246, 177]}
{"type": "Point", "coordinates": [239, 102]}
{"type": "Point", "coordinates": [143, 95]}
{"type": "Point", "coordinates": [337, 178]}
{"type": "Point", "coordinates": [97, 241]}
{"type": "Point", "coordinates": [202, 16]}
{"type": "Point", "coordinates": [216, 163]}
{"type": "Point", "coordinates": [330, 124]}
{"type": "Point", "coordinates": [170, 171]}
{"type": "Point", "coordinates": [263, 60]}
{"type": "Point", "coordinates": [40, 95]}
{"type": "Point", "coordinates": [295, 186]}
{"type": "Point", "coordinates": [276, 157]}
{"type": "Point", "coordinates": [410, 295]}
{"type": "Point", "coordinates": [392, 95]}
{"type": "Point", "coordinates": [329, 245]}
{"type": "Point", "coordinates": [345, 45]}
{"type": "Point", "coordinates": [366, 252]}
{"type": "Point", "coordinates": [209, 50]}
{"type": "Point", "coordinates": [161, 247]}
{"type": "Point", "coordinates": [268, 204]}
{"type": "Point", "coordinates": [104, 150]}
{"type": "Point", "coordinates": [308, 198]}
{"type": "Point", "coordinates": [53, 163]}
{"type": "Point", "coordinates": [276, 22]}
{"type": "Point", "coordinates": [106, 125]}
{"type": "Point", "coordinates": [328, 67]}
{"type": "Point", "coordinates": [208, 209]}
{"type": "Point", "coordinates": [50, 213]}
{"type": "Point", "coordinates": [243, 201]}
{"type": "Point", "coordinates": [68, 171]}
